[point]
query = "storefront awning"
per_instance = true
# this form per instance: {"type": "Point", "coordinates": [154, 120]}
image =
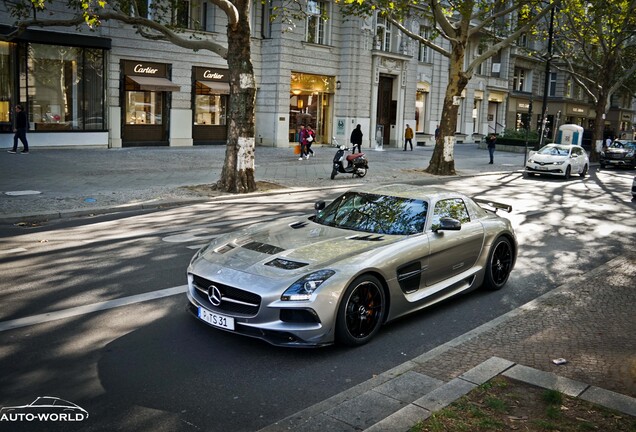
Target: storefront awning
{"type": "Point", "coordinates": [218, 87]}
{"type": "Point", "coordinates": [155, 83]}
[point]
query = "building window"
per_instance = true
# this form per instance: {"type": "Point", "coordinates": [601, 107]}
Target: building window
{"type": "Point", "coordinates": [207, 15]}
{"type": "Point", "coordinates": [568, 87]}
{"type": "Point", "coordinates": [65, 87]}
{"type": "Point", "coordinates": [316, 22]}
{"type": "Point", "coordinates": [552, 84]}
{"type": "Point", "coordinates": [266, 19]}
{"type": "Point", "coordinates": [523, 40]}
{"type": "Point", "coordinates": [383, 34]}
{"type": "Point", "coordinates": [521, 80]}
{"type": "Point", "coordinates": [143, 107]}
{"type": "Point", "coordinates": [424, 52]}
{"type": "Point", "coordinates": [181, 14]}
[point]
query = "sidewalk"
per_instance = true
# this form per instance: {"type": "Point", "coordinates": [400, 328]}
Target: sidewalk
{"type": "Point", "coordinates": [589, 320]}
{"type": "Point", "coordinates": [53, 183]}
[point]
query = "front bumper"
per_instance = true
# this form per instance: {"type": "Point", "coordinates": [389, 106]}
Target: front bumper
{"type": "Point", "coordinates": [556, 170]}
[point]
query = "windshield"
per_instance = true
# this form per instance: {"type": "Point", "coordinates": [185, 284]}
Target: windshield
{"type": "Point", "coordinates": [623, 145]}
{"type": "Point", "coordinates": [555, 150]}
{"type": "Point", "coordinates": [377, 214]}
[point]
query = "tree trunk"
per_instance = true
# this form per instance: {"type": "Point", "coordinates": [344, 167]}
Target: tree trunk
{"type": "Point", "coordinates": [442, 161]}
{"type": "Point", "coordinates": [237, 175]}
{"type": "Point", "coordinates": [599, 124]}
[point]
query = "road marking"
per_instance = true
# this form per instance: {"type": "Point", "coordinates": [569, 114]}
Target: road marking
{"type": "Point", "coordinates": [95, 307]}
{"type": "Point", "coordinates": [12, 251]}
{"type": "Point", "coordinates": [24, 192]}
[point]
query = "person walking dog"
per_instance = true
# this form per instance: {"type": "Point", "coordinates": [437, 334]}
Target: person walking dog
{"type": "Point", "coordinates": [21, 126]}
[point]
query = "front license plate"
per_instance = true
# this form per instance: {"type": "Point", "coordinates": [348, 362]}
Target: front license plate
{"type": "Point", "coordinates": [542, 168]}
{"type": "Point", "coordinates": [216, 319]}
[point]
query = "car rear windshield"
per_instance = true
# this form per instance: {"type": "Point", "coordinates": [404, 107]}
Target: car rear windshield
{"type": "Point", "coordinates": [378, 214]}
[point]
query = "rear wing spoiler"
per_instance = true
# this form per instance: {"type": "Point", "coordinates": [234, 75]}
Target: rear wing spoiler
{"type": "Point", "coordinates": [493, 204]}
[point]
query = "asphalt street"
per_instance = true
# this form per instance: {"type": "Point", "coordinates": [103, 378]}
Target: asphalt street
{"type": "Point", "coordinates": [116, 339]}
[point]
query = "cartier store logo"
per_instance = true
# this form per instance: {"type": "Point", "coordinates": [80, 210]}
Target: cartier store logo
{"type": "Point", "coordinates": [208, 74]}
{"type": "Point", "coordinates": [139, 68]}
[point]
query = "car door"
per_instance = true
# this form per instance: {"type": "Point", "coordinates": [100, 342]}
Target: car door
{"type": "Point", "coordinates": [452, 252]}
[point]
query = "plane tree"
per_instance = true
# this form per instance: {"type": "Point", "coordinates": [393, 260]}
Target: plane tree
{"type": "Point", "coordinates": [494, 24]}
{"type": "Point", "coordinates": [595, 43]}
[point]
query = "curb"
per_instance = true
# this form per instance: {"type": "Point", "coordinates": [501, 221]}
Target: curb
{"type": "Point", "coordinates": [334, 409]}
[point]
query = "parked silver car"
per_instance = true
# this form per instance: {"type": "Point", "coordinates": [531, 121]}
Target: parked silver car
{"type": "Point", "coordinates": [368, 257]}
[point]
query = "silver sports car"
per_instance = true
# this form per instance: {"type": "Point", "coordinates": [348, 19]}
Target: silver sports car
{"type": "Point", "coordinates": [368, 257]}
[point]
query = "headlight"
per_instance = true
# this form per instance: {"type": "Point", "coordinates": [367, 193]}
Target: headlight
{"type": "Point", "coordinates": [530, 161]}
{"type": "Point", "coordinates": [558, 163]}
{"type": "Point", "coordinates": [303, 288]}
{"type": "Point", "coordinates": [630, 153]}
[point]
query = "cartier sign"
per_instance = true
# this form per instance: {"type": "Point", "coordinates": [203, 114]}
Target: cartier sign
{"type": "Point", "coordinates": [210, 74]}
{"type": "Point", "coordinates": [146, 70]}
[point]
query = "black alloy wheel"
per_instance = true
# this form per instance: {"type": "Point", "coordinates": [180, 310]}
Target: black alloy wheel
{"type": "Point", "coordinates": [499, 264]}
{"type": "Point", "coordinates": [361, 311]}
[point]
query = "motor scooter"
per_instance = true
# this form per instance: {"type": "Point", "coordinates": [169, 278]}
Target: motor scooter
{"type": "Point", "coordinates": [357, 163]}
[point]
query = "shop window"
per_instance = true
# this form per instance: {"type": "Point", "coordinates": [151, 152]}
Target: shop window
{"type": "Point", "coordinates": [65, 87]}
{"type": "Point", "coordinates": [143, 107]}
{"type": "Point", "coordinates": [6, 85]}
{"type": "Point", "coordinates": [209, 109]}
{"type": "Point", "coordinates": [420, 110]}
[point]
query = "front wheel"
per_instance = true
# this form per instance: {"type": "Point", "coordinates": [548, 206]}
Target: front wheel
{"type": "Point", "coordinates": [568, 172]}
{"type": "Point", "coordinates": [361, 311]}
{"type": "Point", "coordinates": [499, 264]}
{"type": "Point", "coordinates": [333, 173]}
{"type": "Point", "coordinates": [584, 172]}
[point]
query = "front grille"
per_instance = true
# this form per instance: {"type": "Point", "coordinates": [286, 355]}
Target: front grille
{"type": "Point", "coordinates": [234, 301]}
{"type": "Point", "coordinates": [615, 156]}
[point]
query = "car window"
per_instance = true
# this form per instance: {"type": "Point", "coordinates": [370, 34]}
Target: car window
{"type": "Point", "coordinates": [378, 214]}
{"type": "Point", "coordinates": [453, 208]}
{"type": "Point", "coordinates": [555, 150]}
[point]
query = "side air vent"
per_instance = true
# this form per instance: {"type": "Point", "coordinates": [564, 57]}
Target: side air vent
{"type": "Point", "coordinates": [297, 225]}
{"type": "Point", "coordinates": [285, 264]}
{"type": "Point", "coordinates": [263, 248]}
{"type": "Point", "coordinates": [369, 237]}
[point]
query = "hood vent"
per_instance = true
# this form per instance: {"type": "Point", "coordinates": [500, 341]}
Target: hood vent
{"type": "Point", "coordinates": [369, 237]}
{"type": "Point", "coordinates": [298, 224]}
{"type": "Point", "coordinates": [285, 264]}
{"type": "Point", "coordinates": [225, 248]}
{"type": "Point", "coordinates": [263, 248]}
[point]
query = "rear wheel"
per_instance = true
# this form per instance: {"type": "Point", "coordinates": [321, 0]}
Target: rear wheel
{"type": "Point", "coordinates": [499, 264]}
{"type": "Point", "coordinates": [584, 172]}
{"type": "Point", "coordinates": [361, 172]}
{"type": "Point", "coordinates": [361, 311]}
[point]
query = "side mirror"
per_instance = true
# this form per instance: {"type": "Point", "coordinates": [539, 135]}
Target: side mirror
{"type": "Point", "coordinates": [448, 224]}
{"type": "Point", "coordinates": [319, 205]}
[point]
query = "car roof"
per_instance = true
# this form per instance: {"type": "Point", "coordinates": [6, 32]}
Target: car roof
{"type": "Point", "coordinates": [428, 193]}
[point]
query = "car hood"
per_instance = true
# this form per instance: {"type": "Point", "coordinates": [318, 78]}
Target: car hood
{"type": "Point", "coordinates": [618, 151]}
{"type": "Point", "coordinates": [290, 246]}
{"type": "Point", "coordinates": [547, 158]}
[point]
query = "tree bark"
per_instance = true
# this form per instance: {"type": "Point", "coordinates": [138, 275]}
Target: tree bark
{"type": "Point", "coordinates": [237, 175]}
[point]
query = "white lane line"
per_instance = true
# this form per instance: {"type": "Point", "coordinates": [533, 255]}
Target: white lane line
{"type": "Point", "coordinates": [95, 307]}
{"type": "Point", "coordinates": [12, 251]}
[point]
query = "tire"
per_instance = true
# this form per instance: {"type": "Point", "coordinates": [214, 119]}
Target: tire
{"type": "Point", "coordinates": [584, 172]}
{"type": "Point", "coordinates": [361, 172]}
{"type": "Point", "coordinates": [568, 172]}
{"type": "Point", "coordinates": [602, 166]}
{"type": "Point", "coordinates": [361, 311]}
{"type": "Point", "coordinates": [499, 264]}
{"type": "Point", "coordinates": [333, 173]}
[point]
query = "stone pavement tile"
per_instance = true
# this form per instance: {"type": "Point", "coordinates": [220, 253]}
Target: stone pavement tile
{"type": "Point", "coordinates": [486, 370]}
{"type": "Point", "coordinates": [610, 399]}
{"type": "Point", "coordinates": [323, 423]}
{"type": "Point", "coordinates": [409, 386]}
{"type": "Point", "coordinates": [401, 421]}
{"type": "Point", "coordinates": [546, 379]}
{"type": "Point", "coordinates": [365, 410]}
{"type": "Point", "coordinates": [444, 395]}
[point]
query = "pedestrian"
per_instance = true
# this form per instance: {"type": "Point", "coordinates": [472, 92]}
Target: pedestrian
{"type": "Point", "coordinates": [21, 126]}
{"type": "Point", "coordinates": [436, 133]}
{"type": "Point", "coordinates": [408, 137]}
{"type": "Point", "coordinates": [492, 141]}
{"type": "Point", "coordinates": [311, 138]}
{"type": "Point", "coordinates": [302, 138]}
{"type": "Point", "coordinates": [356, 139]}
{"type": "Point", "coordinates": [608, 141]}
